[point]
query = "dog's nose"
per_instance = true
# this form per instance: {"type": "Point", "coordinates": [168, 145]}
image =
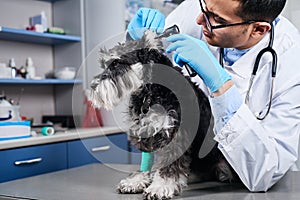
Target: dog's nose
{"type": "Point", "coordinates": [144, 110]}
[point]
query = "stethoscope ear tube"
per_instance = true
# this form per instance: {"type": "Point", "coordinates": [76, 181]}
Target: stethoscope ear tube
{"type": "Point", "coordinates": [274, 61]}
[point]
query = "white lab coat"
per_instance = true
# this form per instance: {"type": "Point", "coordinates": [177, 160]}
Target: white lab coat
{"type": "Point", "coordinates": [260, 152]}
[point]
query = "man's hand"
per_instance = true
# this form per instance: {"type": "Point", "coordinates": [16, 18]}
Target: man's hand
{"type": "Point", "coordinates": [196, 53]}
{"type": "Point", "coordinates": [146, 18]}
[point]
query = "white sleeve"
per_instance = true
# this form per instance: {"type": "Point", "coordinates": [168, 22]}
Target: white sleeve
{"type": "Point", "coordinates": [261, 152]}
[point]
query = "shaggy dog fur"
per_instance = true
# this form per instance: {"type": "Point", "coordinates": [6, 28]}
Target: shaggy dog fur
{"type": "Point", "coordinates": [156, 119]}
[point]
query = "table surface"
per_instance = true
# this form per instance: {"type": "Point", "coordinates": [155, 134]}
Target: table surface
{"type": "Point", "coordinates": [98, 181]}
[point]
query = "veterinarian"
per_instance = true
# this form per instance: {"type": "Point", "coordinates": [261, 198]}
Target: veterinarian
{"type": "Point", "coordinates": [261, 144]}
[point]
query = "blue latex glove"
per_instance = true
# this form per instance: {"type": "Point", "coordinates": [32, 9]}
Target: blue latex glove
{"type": "Point", "coordinates": [146, 18]}
{"type": "Point", "coordinates": [196, 53]}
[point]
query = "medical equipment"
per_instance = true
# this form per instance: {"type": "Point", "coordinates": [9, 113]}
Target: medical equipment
{"type": "Point", "coordinates": [270, 50]}
{"type": "Point", "coordinates": [171, 31]}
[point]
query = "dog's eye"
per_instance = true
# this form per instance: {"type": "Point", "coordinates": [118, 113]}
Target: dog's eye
{"type": "Point", "coordinates": [104, 76]}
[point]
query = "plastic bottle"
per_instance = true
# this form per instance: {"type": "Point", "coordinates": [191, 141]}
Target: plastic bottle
{"type": "Point", "coordinates": [12, 65]}
{"type": "Point", "coordinates": [30, 68]}
{"type": "Point", "coordinates": [44, 21]}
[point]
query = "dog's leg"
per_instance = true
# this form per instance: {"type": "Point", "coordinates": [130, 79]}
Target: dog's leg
{"type": "Point", "coordinates": [135, 183]}
{"type": "Point", "coordinates": [168, 181]}
{"type": "Point", "coordinates": [163, 187]}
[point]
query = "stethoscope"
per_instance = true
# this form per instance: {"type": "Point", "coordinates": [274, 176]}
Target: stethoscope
{"type": "Point", "coordinates": [268, 49]}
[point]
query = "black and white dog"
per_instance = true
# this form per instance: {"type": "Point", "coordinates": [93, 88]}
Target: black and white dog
{"type": "Point", "coordinates": [166, 117]}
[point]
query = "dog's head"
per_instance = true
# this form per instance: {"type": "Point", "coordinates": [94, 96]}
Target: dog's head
{"type": "Point", "coordinates": [155, 116]}
{"type": "Point", "coordinates": [126, 66]}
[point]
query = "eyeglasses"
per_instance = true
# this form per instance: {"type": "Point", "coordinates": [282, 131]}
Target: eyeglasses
{"type": "Point", "coordinates": [211, 27]}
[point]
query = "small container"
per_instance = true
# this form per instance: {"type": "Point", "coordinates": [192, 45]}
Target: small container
{"type": "Point", "coordinates": [40, 19]}
{"type": "Point", "coordinates": [11, 130]}
{"type": "Point", "coordinates": [30, 68]}
{"type": "Point", "coordinates": [12, 65]}
{"type": "Point", "coordinates": [8, 112]}
{"type": "Point", "coordinates": [66, 73]}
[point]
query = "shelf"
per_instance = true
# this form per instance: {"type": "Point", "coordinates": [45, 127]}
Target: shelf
{"type": "Point", "coordinates": [21, 35]}
{"type": "Point", "coordinates": [51, 1]}
{"type": "Point", "coordinates": [40, 82]}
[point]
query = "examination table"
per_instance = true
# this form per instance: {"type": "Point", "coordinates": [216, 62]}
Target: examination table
{"type": "Point", "coordinates": [98, 182]}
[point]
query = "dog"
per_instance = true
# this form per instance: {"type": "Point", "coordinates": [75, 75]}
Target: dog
{"type": "Point", "coordinates": [170, 122]}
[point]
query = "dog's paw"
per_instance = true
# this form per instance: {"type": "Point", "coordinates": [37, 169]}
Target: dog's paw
{"type": "Point", "coordinates": [162, 188]}
{"type": "Point", "coordinates": [135, 183]}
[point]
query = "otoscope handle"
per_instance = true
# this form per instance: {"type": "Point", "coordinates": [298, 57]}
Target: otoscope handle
{"type": "Point", "coordinates": [171, 31]}
{"type": "Point", "coordinates": [190, 70]}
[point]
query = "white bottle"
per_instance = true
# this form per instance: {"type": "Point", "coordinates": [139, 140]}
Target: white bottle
{"type": "Point", "coordinates": [44, 21]}
{"type": "Point", "coordinates": [12, 65]}
{"type": "Point", "coordinates": [30, 68]}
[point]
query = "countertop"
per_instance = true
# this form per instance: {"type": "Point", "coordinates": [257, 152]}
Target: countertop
{"type": "Point", "coordinates": [67, 135]}
{"type": "Point", "coordinates": [98, 182]}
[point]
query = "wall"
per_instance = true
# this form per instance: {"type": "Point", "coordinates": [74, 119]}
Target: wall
{"type": "Point", "coordinates": [103, 20]}
{"type": "Point", "coordinates": [105, 26]}
{"type": "Point", "coordinates": [292, 12]}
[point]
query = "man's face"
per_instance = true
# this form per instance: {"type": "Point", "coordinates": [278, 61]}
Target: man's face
{"type": "Point", "coordinates": [222, 12]}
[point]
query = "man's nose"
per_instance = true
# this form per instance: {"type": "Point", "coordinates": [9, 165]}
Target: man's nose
{"type": "Point", "coordinates": [200, 19]}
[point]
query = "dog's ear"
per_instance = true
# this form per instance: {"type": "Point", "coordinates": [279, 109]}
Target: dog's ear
{"type": "Point", "coordinates": [150, 40]}
{"type": "Point", "coordinates": [106, 57]}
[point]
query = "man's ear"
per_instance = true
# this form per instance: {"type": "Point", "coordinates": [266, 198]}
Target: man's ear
{"type": "Point", "coordinates": [260, 29]}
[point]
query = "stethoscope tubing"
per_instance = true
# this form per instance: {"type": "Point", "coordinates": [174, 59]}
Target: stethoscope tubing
{"type": "Point", "coordinates": [268, 49]}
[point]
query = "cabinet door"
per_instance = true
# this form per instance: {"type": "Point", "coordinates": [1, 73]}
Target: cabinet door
{"type": "Point", "coordinates": [29, 161]}
{"type": "Point", "coordinates": [104, 149]}
{"type": "Point", "coordinates": [135, 155]}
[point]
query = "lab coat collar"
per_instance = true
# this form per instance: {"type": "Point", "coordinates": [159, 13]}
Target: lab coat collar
{"type": "Point", "coordinates": [243, 67]}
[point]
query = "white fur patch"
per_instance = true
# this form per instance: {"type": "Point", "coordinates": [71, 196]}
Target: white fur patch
{"type": "Point", "coordinates": [107, 93]}
{"type": "Point", "coordinates": [155, 120]}
{"type": "Point", "coordinates": [162, 188]}
{"type": "Point", "coordinates": [152, 43]}
{"type": "Point", "coordinates": [136, 183]}
{"type": "Point", "coordinates": [106, 56]}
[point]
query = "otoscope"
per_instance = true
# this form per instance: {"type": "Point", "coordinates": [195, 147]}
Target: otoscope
{"type": "Point", "coordinates": [171, 31]}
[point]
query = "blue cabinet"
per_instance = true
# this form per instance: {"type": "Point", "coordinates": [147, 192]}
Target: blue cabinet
{"type": "Point", "coordinates": [135, 155]}
{"type": "Point", "coordinates": [29, 161]}
{"type": "Point", "coordinates": [104, 149]}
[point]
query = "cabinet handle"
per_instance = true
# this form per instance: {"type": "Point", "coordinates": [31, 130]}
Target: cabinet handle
{"type": "Point", "coordinates": [104, 148]}
{"type": "Point", "coordinates": [25, 162]}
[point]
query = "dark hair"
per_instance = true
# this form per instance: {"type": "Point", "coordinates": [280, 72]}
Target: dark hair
{"type": "Point", "coordinates": [265, 10]}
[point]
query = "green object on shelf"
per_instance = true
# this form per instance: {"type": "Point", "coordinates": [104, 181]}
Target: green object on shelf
{"type": "Point", "coordinates": [12, 34]}
{"type": "Point", "coordinates": [56, 30]}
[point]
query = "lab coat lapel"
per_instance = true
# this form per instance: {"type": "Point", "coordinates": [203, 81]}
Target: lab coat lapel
{"type": "Point", "coordinates": [242, 69]}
